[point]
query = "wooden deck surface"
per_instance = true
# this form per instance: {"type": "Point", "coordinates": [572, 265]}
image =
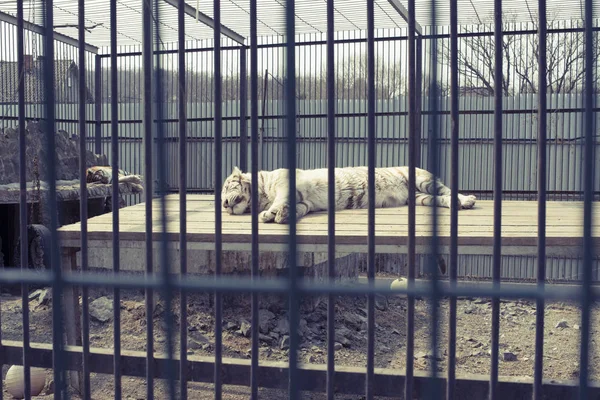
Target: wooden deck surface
{"type": "Point", "coordinates": [519, 226]}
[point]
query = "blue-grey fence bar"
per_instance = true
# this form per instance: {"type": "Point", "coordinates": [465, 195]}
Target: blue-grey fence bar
{"type": "Point", "coordinates": [496, 267]}
{"type": "Point", "coordinates": [183, 322]}
{"type": "Point", "coordinates": [412, 89]}
{"type": "Point", "coordinates": [294, 287]}
{"type": "Point", "coordinates": [83, 203]}
{"type": "Point", "coordinates": [541, 183]}
{"type": "Point", "coordinates": [24, 256]}
{"type": "Point", "coordinates": [453, 269]}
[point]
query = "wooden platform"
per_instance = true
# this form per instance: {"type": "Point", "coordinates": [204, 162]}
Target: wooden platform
{"type": "Point", "coordinates": [475, 233]}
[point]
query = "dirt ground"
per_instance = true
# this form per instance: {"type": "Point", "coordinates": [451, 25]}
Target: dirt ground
{"type": "Point", "coordinates": [517, 335]}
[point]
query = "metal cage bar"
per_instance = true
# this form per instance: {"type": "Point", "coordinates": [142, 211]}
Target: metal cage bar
{"type": "Point", "coordinates": [148, 139]}
{"type": "Point", "coordinates": [155, 140]}
{"type": "Point", "coordinates": [453, 270]}
{"type": "Point", "coordinates": [290, 128]}
{"type": "Point", "coordinates": [115, 199]}
{"type": "Point", "coordinates": [588, 172]}
{"type": "Point", "coordinates": [183, 176]}
{"type": "Point", "coordinates": [371, 160]}
{"type": "Point", "coordinates": [497, 261]}
{"type": "Point", "coordinates": [412, 159]}
{"type": "Point", "coordinates": [83, 205]}
{"type": "Point", "coordinates": [24, 254]}
{"type": "Point", "coordinates": [331, 164]}
{"type": "Point", "coordinates": [254, 373]}
{"type": "Point", "coordinates": [542, 176]}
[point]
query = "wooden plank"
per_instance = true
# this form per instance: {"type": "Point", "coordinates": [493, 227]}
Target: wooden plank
{"type": "Point", "coordinates": [274, 374]}
{"type": "Point", "coordinates": [564, 225]}
{"type": "Point", "coordinates": [351, 229]}
{"type": "Point", "coordinates": [393, 238]}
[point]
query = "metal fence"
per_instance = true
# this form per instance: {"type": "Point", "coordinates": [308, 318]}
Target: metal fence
{"type": "Point", "coordinates": [156, 166]}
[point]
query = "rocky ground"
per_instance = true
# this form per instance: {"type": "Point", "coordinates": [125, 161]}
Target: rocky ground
{"type": "Point", "coordinates": [517, 334]}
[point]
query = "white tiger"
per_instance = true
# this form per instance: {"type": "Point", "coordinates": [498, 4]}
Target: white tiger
{"type": "Point", "coordinates": [391, 190]}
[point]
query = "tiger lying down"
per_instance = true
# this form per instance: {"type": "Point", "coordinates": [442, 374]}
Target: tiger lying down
{"type": "Point", "coordinates": [391, 190]}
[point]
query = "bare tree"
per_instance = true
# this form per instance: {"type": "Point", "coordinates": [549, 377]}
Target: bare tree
{"type": "Point", "coordinates": [476, 57]}
{"type": "Point", "coordinates": [352, 78]}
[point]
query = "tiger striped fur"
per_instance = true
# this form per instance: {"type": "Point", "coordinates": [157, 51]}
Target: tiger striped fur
{"type": "Point", "coordinates": [391, 190]}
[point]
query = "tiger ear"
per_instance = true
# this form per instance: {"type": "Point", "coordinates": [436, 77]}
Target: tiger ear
{"type": "Point", "coordinates": [236, 171]}
{"type": "Point", "coordinates": [246, 178]}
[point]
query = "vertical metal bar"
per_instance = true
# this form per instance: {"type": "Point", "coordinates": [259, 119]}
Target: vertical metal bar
{"type": "Point", "coordinates": [243, 110]}
{"type": "Point", "coordinates": [588, 186]}
{"type": "Point", "coordinates": [254, 192]}
{"type": "Point", "coordinates": [331, 106]}
{"type": "Point", "coordinates": [290, 96]}
{"type": "Point", "coordinates": [541, 185]}
{"type": "Point", "coordinates": [497, 256]}
{"type": "Point", "coordinates": [98, 105]}
{"type": "Point", "coordinates": [165, 283]}
{"type": "Point", "coordinates": [372, 200]}
{"type": "Point", "coordinates": [454, 111]}
{"type": "Point", "coordinates": [83, 204]}
{"type": "Point", "coordinates": [218, 184]}
{"type": "Point", "coordinates": [182, 195]}
{"type": "Point", "coordinates": [55, 261]}
{"type": "Point", "coordinates": [24, 248]}
{"type": "Point", "coordinates": [418, 99]}
{"type": "Point", "coordinates": [114, 130]}
{"type": "Point", "coordinates": [434, 388]}
{"type": "Point", "coordinates": [412, 89]}
{"type": "Point", "coordinates": [147, 118]}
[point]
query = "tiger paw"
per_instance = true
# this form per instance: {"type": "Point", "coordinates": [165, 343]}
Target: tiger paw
{"type": "Point", "coordinates": [266, 216]}
{"type": "Point", "coordinates": [283, 215]}
{"type": "Point", "coordinates": [467, 202]}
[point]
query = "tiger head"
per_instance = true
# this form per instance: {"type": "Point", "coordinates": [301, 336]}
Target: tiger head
{"type": "Point", "coordinates": [236, 192]}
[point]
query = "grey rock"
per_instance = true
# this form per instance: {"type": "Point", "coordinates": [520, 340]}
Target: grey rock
{"type": "Point", "coordinates": [508, 356]}
{"type": "Point", "coordinates": [337, 346]}
{"type": "Point", "coordinates": [302, 327]}
{"type": "Point", "coordinates": [245, 328]}
{"type": "Point", "coordinates": [282, 327]}
{"type": "Point", "coordinates": [45, 297]}
{"type": "Point", "coordinates": [284, 344]}
{"type": "Point", "coordinates": [355, 321]}
{"type": "Point", "coordinates": [562, 324]}
{"type": "Point", "coordinates": [381, 302]}
{"type": "Point", "coordinates": [35, 294]}
{"type": "Point", "coordinates": [265, 321]}
{"type": "Point", "coordinates": [265, 338]}
{"type": "Point", "coordinates": [101, 309]}
{"type": "Point", "coordinates": [230, 326]}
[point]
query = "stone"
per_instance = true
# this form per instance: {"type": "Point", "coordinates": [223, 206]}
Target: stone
{"type": "Point", "coordinates": [562, 324]}
{"type": "Point", "coordinates": [355, 321]}
{"type": "Point", "coordinates": [230, 326]}
{"type": "Point", "coordinates": [343, 335]}
{"type": "Point", "coordinates": [337, 346]}
{"type": "Point", "coordinates": [381, 302]}
{"type": "Point", "coordinates": [470, 310]}
{"type": "Point", "coordinates": [283, 326]}
{"type": "Point", "coordinates": [265, 338]}
{"type": "Point", "coordinates": [45, 297]}
{"type": "Point", "coordinates": [576, 327]}
{"type": "Point", "coordinates": [66, 150]}
{"type": "Point", "coordinates": [35, 294]}
{"type": "Point", "coordinates": [245, 328]}
{"type": "Point", "coordinates": [101, 309]}
{"type": "Point", "coordinates": [508, 356]}
{"type": "Point", "coordinates": [284, 344]}
{"type": "Point", "coordinates": [302, 327]}
{"type": "Point", "coordinates": [265, 321]}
